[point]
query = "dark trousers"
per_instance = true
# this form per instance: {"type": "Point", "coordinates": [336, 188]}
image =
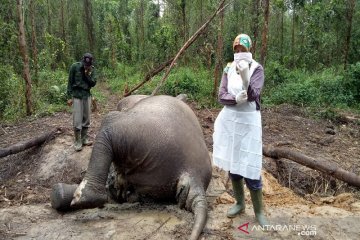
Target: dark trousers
{"type": "Point", "coordinates": [250, 183]}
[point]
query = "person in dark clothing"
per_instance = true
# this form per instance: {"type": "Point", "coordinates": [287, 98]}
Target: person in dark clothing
{"type": "Point", "coordinates": [81, 80]}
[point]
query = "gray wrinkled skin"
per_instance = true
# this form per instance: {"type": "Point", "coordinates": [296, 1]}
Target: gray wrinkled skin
{"type": "Point", "coordinates": [158, 150]}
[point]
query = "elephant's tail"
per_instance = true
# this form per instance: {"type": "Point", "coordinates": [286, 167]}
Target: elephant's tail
{"type": "Point", "coordinates": [199, 208]}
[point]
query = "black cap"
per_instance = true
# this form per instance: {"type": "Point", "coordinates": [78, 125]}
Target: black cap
{"type": "Point", "coordinates": [87, 59]}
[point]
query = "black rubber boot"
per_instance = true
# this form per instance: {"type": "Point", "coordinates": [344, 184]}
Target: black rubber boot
{"type": "Point", "coordinates": [239, 206]}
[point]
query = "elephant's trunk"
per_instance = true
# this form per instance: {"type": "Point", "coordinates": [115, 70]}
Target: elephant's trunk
{"type": "Point", "coordinates": [61, 196]}
{"type": "Point", "coordinates": [91, 191]}
{"type": "Point", "coordinates": [199, 208]}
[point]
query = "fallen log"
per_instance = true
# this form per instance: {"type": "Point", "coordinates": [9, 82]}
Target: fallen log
{"type": "Point", "coordinates": [21, 146]}
{"type": "Point", "coordinates": [328, 168]}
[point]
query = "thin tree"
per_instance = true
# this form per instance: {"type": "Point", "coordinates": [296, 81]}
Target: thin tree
{"type": "Point", "coordinates": [219, 52]}
{"type": "Point", "coordinates": [349, 16]}
{"type": "Point", "coordinates": [49, 14]}
{"type": "Point", "coordinates": [183, 17]}
{"type": "Point", "coordinates": [89, 24]}
{"type": "Point", "coordinates": [62, 22]}
{"type": "Point", "coordinates": [25, 57]}
{"type": "Point", "coordinates": [34, 39]}
{"type": "Point", "coordinates": [265, 32]}
{"type": "Point", "coordinates": [255, 24]}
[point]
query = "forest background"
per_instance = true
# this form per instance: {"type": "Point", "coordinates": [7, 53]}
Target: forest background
{"type": "Point", "coordinates": [309, 50]}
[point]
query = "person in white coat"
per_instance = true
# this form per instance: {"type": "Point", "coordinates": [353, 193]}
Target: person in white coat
{"type": "Point", "coordinates": [237, 130]}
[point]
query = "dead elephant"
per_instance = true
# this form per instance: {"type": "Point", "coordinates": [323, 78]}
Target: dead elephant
{"type": "Point", "coordinates": [157, 147]}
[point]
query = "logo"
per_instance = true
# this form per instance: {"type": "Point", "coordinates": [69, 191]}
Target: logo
{"type": "Point", "coordinates": [302, 230]}
{"type": "Point", "coordinates": [244, 228]}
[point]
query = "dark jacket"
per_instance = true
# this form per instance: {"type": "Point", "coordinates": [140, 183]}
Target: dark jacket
{"type": "Point", "coordinates": [79, 83]}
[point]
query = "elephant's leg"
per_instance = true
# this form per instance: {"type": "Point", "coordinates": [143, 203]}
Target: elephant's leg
{"type": "Point", "coordinates": [61, 196]}
{"type": "Point", "coordinates": [191, 194]}
{"type": "Point", "coordinates": [91, 192]}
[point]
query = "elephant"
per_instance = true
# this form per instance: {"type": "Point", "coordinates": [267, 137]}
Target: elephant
{"type": "Point", "coordinates": [157, 148]}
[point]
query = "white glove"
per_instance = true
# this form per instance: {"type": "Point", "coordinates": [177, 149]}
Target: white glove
{"type": "Point", "coordinates": [241, 97]}
{"type": "Point", "coordinates": [242, 68]}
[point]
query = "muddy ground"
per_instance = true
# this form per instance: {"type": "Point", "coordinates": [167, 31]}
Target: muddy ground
{"type": "Point", "coordinates": [299, 202]}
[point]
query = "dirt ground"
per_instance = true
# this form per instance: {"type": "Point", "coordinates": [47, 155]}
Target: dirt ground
{"type": "Point", "coordinates": [300, 203]}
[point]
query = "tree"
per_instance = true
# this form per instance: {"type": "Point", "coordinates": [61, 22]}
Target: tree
{"type": "Point", "coordinates": [89, 24]}
{"type": "Point", "coordinates": [23, 51]}
{"type": "Point", "coordinates": [265, 31]}
{"type": "Point", "coordinates": [34, 39]}
{"type": "Point", "coordinates": [349, 16]}
{"type": "Point", "coordinates": [255, 24]}
{"type": "Point", "coordinates": [219, 53]}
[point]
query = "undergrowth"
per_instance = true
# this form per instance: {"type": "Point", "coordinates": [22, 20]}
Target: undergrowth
{"type": "Point", "coordinates": [324, 94]}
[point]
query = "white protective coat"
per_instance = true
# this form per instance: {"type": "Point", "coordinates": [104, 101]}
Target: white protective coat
{"type": "Point", "coordinates": [238, 133]}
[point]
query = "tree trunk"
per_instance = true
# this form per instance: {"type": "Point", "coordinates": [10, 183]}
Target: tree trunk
{"type": "Point", "coordinates": [183, 17]}
{"type": "Point", "coordinates": [63, 31]}
{"type": "Point", "coordinates": [326, 167]}
{"type": "Point", "coordinates": [21, 146]}
{"type": "Point", "coordinates": [349, 17]}
{"type": "Point", "coordinates": [293, 35]}
{"type": "Point", "coordinates": [34, 39]}
{"type": "Point", "coordinates": [25, 57]}
{"type": "Point", "coordinates": [89, 24]}
{"type": "Point", "coordinates": [255, 26]}
{"type": "Point", "coordinates": [219, 54]}
{"type": "Point", "coordinates": [282, 38]}
{"type": "Point", "coordinates": [49, 13]}
{"type": "Point", "coordinates": [142, 29]}
{"type": "Point", "coordinates": [265, 32]}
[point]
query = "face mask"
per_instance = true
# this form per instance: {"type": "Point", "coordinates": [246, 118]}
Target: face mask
{"type": "Point", "coordinates": [237, 57]}
{"type": "Point", "coordinates": [247, 56]}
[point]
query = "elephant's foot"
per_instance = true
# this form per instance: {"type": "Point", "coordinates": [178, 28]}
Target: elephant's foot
{"type": "Point", "coordinates": [61, 196]}
{"type": "Point", "coordinates": [88, 196]}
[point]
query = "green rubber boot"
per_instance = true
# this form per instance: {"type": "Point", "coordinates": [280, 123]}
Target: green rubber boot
{"type": "Point", "coordinates": [239, 206]}
{"type": "Point", "coordinates": [78, 141]}
{"type": "Point", "coordinates": [85, 137]}
{"type": "Point", "coordinates": [256, 198]}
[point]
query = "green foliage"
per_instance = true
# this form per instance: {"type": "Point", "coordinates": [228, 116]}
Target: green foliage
{"type": "Point", "coordinates": [11, 92]}
{"type": "Point", "coordinates": [275, 73]}
{"type": "Point", "coordinates": [52, 87]}
{"type": "Point", "coordinates": [52, 56]}
{"type": "Point", "coordinates": [352, 81]}
{"type": "Point", "coordinates": [196, 83]}
{"type": "Point", "coordinates": [325, 89]}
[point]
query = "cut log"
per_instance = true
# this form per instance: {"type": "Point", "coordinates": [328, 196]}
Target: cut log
{"type": "Point", "coordinates": [328, 168]}
{"type": "Point", "coordinates": [21, 146]}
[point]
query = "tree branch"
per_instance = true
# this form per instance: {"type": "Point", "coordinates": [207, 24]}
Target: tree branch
{"type": "Point", "coordinates": [188, 43]}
